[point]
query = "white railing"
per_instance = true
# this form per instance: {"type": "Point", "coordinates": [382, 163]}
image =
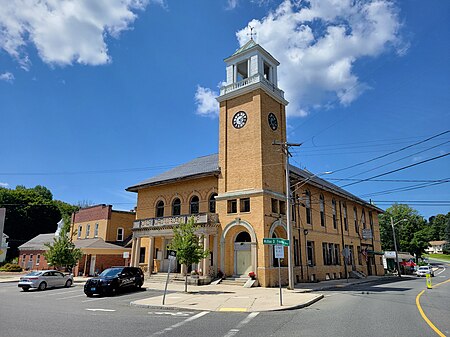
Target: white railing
{"type": "Point", "coordinates": [201, 218]}
{"type": "Point", "coordinates": [257, 78]}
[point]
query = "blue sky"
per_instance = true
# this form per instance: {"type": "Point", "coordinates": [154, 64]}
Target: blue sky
{"type": "Point", "coordinates": [96, 97]}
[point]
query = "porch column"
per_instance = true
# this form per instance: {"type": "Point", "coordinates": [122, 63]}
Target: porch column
{"type": "Point", "coordinates": [151, 248]}
{"type": "Point", "coordinates": [215, 253]}
{"type": "Point", "coordinates": [133, 252]}
{"type": "Point", "coordinates": [207, 260]}
{"type": "Point", "coordinates": [254, 254]}
{"type": "Point", "coordinates": [138, 252]}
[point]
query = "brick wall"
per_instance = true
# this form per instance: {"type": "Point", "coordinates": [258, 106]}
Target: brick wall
{"type": "Point", "coordinates": [29, 258]}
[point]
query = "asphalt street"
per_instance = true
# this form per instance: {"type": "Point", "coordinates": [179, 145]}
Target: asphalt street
{"type": "Point", "coordinates": [383, 308]}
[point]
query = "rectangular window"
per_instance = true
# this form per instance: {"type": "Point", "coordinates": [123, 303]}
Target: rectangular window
{"type": "Point", "coordinates": [88, 230]}
{"type": "Point", "coordinates": [337, 255]}
{"type": "Point", "coordinates": [359, 255]}
{"type": "Point", "coordinates": [308, 208]}
{"type": "Point", "coordinates": [371, 221]}
{"type": "Point", "coordinates": [310, 253]}
{"type": "Point", "coordinates": [142, 255]}
{"type": "Point", "coordinates": [245, 204]}
{"type": "Point", "coordinates": [293, 213]}
{"type": "Point", "coordinates": [345, 218]}
{"type": "Point", "coordinates": [296, 253]}
{"type": "Point", "coordinates": [333, 205]}
{"type": "Point", "coordinates": [274, 206]}
{"type": "Point", "coordinates": [325, 254]}
{"type": "Point", "coordinates": [232, 206]}
{"type": "Point", "coordinates": [80, 228]}
{"type": "Point", "coordinates": [38, 259]}
{"type": "Point", "coordinates": [23, 260]}
{"type": "Point", "coordinates": [355, 215]}
{"type": "Point", "coordinates": [363, 219]}
{"type": "Point", "coordinates": [96, 230]}
{"type": "Point", "coordinates": [119, 234]}
{"type": "Point", "coordinates": [282, 207]}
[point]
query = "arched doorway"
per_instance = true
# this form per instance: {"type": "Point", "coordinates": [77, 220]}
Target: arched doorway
{"type": "Point", "coordinates": [242, 254]}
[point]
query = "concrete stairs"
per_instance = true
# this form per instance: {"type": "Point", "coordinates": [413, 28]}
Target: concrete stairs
{"type": "Point", "coordinates": [162, 277]}
{"type": "Point", "coordinates": [357, 274]}
{"type": "Point", "coordinates": [234, 280]}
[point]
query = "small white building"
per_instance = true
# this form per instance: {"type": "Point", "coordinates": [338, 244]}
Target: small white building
{"type": "Point", "coordinates": [435, 247]}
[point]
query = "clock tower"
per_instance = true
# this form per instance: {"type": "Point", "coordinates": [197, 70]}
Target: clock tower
{"type": "Point", "coordinates": [252, 182]}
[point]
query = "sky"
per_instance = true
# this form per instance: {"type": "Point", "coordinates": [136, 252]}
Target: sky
{"type": "Point", "coordinates": [98, 96]}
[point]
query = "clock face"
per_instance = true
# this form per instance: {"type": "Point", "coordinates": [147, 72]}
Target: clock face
{"type": "Point", "coordinates": [239, 119]}
{"type": "Point", "coordinates": [273, 122]}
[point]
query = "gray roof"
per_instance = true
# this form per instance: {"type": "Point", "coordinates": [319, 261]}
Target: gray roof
{"type": "Point", "coordinates": [251, 43]}
{"type": "Point", "coordinates": [209, 165]}
{"type": "Point", "coordinates": [38, 242]}
{"type": "Point", "coordinates": [96, 243]}
{"type": "Point", "coordinates": [312, 179]}
{"type": "Point", "coordinates": [202, 166]}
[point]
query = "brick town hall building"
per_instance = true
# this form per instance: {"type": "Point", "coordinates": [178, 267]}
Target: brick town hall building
{"type": "Point", "coordinates": [238, 196]}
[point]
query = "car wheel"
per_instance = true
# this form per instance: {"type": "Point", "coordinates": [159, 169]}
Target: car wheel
{"type": "Point", "coordinates": [25, 288]}
{"type": "Point", "coordinates": [68, 283]}
{"type": "Point", "coordinates": [138, 285]}
{"type": "Point", "coordinates": [42, 286]}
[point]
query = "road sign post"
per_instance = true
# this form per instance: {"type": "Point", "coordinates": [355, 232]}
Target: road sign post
{"type": "Point", "coordinates": [172, 257]}
{"type": "Point", "coordinates": [279, 254]}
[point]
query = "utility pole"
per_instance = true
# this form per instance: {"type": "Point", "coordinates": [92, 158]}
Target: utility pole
{"type": "Point", "coordinates": [285, 146]}
{"type": "Point", "coordinates": [395, 247]}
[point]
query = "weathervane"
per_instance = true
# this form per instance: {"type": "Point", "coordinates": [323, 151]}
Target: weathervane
{"type": "Point", "coordinates": [251, 34]}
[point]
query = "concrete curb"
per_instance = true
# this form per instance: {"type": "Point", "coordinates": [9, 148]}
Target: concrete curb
{"type": "Point", "coordinates": [292, 307]}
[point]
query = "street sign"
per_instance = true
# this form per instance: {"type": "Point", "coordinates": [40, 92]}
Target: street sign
{"type": "Point", "coordinates": [367, 234]}
{"type": "Point", "coordinates": [279, 252]}
{"type": "Point", "coordinates": [275, 241]}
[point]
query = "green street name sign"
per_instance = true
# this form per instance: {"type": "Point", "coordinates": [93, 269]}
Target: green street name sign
{"type": "Point", "coordinates": [275, 241]}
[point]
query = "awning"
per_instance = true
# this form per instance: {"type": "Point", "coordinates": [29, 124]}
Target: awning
{"type": "Point", "coordinates": [373, 252]}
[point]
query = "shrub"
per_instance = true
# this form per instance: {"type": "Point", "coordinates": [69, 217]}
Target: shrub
{"type": "Point", "coordinates": [11, 267]}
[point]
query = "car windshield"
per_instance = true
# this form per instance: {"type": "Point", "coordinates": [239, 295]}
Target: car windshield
{"type": "Point", "coordinates": [111, 272]}
{"type": "Point", "coordinates": [34, 273]}
{"type": "Point", "coordinates": [424, 268]}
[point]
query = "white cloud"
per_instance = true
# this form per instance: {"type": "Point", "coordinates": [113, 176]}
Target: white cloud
{"type": "Point", "coordinates": [232, 4]}
{"type": "Point", "coordinates": [64, 31]}
{"type": "Point", "coordinates": [318, 42]}
{"type": "Point", "coordinates": [7, 77]}
{"type": "Point", "coordinates": [4, 184]}
{"type": "Point", "coordinates": [205, 99]}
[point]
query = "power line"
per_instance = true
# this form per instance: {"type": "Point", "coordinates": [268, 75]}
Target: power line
{"type": "Point", "coordinates": [390, 153]}
{"type": "Point", "coordinates": [403, 189]}
{"type": "Point", "coordinates": [399, 169]}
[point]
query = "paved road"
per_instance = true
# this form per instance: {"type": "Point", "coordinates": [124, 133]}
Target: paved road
{"type": "Point", "coordinates": [377, 309]}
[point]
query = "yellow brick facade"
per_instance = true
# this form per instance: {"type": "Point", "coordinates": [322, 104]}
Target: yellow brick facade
{"type": "Point", "coordinates": [252, 169]}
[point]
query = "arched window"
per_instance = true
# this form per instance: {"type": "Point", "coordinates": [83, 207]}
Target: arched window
{"type": "Point", "coordinates": [88, 230]}
{"type": "Point", "coordinates": [344, 207]}
{"type": "Point", "coordinates": [355, 215]}
{"type": "Point", "coordinates": [160, 209]}
{"type": "Point", "coordinates": [322, 210]}
{"type": "Point", "coordinates": [119, 234]}
{"type": "Point", "coordinates": [176, 207]}
{"type": "Point", "coordinates": [308, 207]}
{"type": "Point", "coordinates": [333, 206]}
{"type": "Point", "coordinates": [80, 229]}
{"type": "Point", "coordinates": [243, 237]}
{"type": "Point", "coordinates": [194, 205]}
{"type": "Point", "coordinates": [212, 203]}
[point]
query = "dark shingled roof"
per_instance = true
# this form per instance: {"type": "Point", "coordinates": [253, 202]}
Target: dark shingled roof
{"type": "Point", "coordinates": [202, 166]}
{"type": "Point", "coordinates": [38, 242]}
{"type": "Point", "coordinates": [209, 165]}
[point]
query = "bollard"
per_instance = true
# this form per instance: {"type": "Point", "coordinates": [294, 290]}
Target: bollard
{"type": "Point", "coordinates": [428, 278]}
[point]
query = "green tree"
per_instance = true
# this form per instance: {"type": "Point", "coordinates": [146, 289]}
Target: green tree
{"type": "Point", "coordinates": [186, 243]}
{"type": "Point", "coordinates": [404, 230]}
{"type": "Point", "coordinates": [62, 253]}
{"type": "Point", "coordinates": [29, 212]}
{"type": "Point", "coordinates": [438, 224]}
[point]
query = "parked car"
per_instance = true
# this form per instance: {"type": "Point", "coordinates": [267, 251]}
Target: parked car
{"type": "Point", "coordinates": [113, 280]}
{"type": "Point", "coordinates": [423, 270]}
{"type": "Point", "coordinates": [44, 279]}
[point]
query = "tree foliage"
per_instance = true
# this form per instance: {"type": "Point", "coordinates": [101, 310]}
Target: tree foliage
{"type": "Point", "coordinates": [62, 253]}
{"type": "Point", "coordinates": [29, 212]}
{"type": "Point", "coordinates": [411, 230]}
{"type": "Point", "coordinates": [187, 245]}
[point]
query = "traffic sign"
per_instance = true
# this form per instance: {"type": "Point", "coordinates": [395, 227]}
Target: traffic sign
{"type": "Point", "coordinates": [279, 252]}
{"type": "Point", "coordinates": [275, 241]}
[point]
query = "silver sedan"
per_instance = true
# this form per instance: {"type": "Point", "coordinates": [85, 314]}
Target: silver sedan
{"type": "Point", "coordinates": [45, 279]}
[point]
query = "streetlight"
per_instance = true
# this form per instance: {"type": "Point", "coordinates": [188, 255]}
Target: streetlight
{"type": "Point", "coordinates": [395, 243]}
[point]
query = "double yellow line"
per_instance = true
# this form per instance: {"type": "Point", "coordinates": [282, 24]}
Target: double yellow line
{"type": "Point", "coordinates": [432, 326]}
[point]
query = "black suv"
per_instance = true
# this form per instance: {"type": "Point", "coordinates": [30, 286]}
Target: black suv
{"type": "Point", "coordinates": [114, 279]}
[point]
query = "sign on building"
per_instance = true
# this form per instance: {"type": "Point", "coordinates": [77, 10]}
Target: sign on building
{"type": "Point", "coordinates": [367, 234]}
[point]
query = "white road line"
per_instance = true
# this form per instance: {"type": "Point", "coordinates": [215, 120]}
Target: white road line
{"type": "Point", "coordinates": [441, 271]}
{"type": "Point", "coordinates": [105, 310]}
{"type": "Point", "coordinates": [45, 294]}
{"type": "Point", "coordinates": [170, 313]}
{"type": "Point", "coordinates": [245, 321]}
{"type": "Point", "coordinates": [67, 297]}
{"type": "Point", "coordinates": [94, 299]}
{"type": "Point", "coordinates": [177, 325]}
